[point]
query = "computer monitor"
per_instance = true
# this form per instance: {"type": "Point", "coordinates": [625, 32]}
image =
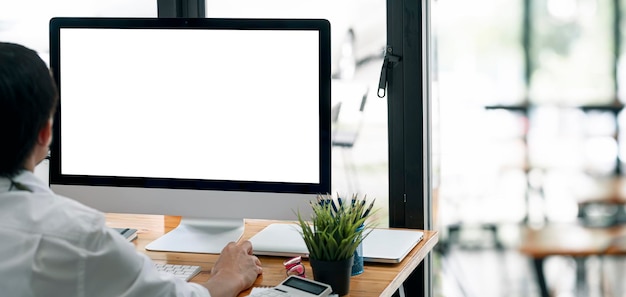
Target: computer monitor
{"type": "Point", "coordinates": [215, 120]}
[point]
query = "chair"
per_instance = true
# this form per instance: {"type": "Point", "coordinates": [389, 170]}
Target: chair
{"type": "Point", "coordinates": [347, 117]}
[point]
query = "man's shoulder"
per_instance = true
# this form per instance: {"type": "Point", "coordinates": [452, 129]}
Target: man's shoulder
{"type": "Point", "coordinates": [75, 216]}
{"type": "Point", "coordinates": [49, 215]}
{"type": "Point", "coordinates": [57, 216]}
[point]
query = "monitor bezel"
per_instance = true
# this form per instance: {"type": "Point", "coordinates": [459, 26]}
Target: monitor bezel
{"type": "Point", "coordinates": [320, 25]}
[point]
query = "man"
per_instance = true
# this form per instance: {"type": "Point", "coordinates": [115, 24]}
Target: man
{"type": "Point", "coordinates": [53, 246]}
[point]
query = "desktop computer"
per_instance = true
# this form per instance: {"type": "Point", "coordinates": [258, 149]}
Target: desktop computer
{"type": "Point", "coordinates": [214, 120]}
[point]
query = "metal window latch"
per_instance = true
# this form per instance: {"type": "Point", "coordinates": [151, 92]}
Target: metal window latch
{"type": "Point", "coordinates": [389, 61]}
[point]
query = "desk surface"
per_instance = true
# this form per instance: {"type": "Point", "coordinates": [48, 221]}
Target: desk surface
{"type": "Point", "coordinates": [377, 279]}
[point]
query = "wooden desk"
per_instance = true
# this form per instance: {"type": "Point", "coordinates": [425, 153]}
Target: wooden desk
{"type": "Point", "coordinates": [376, 280]}
{"type": "Point", "coordinates": [570, 240]}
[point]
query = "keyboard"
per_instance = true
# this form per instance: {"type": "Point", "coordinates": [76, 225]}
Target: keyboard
{"type": "Point", "coordinates": [185, 272]}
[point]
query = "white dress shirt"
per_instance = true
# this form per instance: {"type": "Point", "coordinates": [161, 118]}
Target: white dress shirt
{"type": "Point", "coordinates": [54, 246]}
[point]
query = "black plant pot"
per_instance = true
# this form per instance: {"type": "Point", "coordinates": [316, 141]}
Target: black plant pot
{"type": "Point", "coordinates": [335, 273]}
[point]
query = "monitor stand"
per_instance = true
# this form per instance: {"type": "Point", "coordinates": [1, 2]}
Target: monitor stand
{"type": "Point", "coordinates": [195, 235]}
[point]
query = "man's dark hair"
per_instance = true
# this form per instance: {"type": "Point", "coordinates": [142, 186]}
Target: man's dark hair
{"type": "Point", "coordinates": [28, 98]}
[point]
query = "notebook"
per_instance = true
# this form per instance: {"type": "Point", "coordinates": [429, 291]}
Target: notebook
{"type": "Point", "coordinates": [380, 246]}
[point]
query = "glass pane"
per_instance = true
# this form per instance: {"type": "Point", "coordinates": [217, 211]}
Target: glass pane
{"type": "Point", "coordinates": [26, 21]}
{"type": "Point", "coordinates": [621, 65]}
{"type": "Point", "coordinates": [358, 37]}
{"type": "Point", "coordinates": [555, 138]}
{"type": "Point", "coordinates": [601, 145]}
{"type": "Point", "coordinates": [481, 153]}
{"type": "Point", "coordinates": [478, 52]}
{"type": "Point", "coordinates": [573, 140]}
{"type": "Point", "coordinates": [571, 49]}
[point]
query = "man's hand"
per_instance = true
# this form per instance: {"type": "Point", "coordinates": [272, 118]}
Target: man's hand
{"type": "Point", "coordinates": [235, 270]}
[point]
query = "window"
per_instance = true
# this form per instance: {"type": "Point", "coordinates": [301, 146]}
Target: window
{"type": "Point", "coordinates": [565, 35]}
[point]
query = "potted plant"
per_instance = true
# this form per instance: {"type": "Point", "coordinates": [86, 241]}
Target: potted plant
{"type": "Point", "coordinates": [333, 234]}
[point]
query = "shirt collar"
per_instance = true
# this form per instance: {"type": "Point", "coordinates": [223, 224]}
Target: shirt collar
{"type": "Point", "coordinates": [27, 179]}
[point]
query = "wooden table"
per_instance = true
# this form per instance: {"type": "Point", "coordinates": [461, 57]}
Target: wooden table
{"type": "Point", "coordinates": [570, 240]}
{"type": "Point", "coordinates": [376, 280]}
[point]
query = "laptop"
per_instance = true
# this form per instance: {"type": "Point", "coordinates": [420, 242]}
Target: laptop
{"type": "Point", "coordinates": [380, 246]}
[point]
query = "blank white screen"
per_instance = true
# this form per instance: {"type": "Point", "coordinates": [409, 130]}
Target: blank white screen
{"type": "Point", "coordinates": [239, 105]}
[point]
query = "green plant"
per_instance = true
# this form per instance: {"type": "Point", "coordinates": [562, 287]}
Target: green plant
{"type": "Point", "coordinates": [336, 227]}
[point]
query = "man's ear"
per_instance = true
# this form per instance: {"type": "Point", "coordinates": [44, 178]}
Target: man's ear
{"type": "Point", "coordinates": [45, 134]}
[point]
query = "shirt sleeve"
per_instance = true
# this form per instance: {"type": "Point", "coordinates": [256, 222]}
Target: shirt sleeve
{"type": "Point", "coordinates": [112, 267]}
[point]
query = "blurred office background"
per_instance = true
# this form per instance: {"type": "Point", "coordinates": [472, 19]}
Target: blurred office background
{"type": "Point", "coordinates": [528, 123]}
{"type": "Point", "coordinates": [531, 130]}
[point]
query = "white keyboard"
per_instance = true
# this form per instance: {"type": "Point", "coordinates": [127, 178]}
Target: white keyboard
{"type": "Point", "coordinates": [185, 272]}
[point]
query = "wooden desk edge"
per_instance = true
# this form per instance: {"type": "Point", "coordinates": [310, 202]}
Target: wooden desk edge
{"type": "Point", "coordinates": [413, 259]}
{"type": "Point", "coordinates": [151, 225]}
